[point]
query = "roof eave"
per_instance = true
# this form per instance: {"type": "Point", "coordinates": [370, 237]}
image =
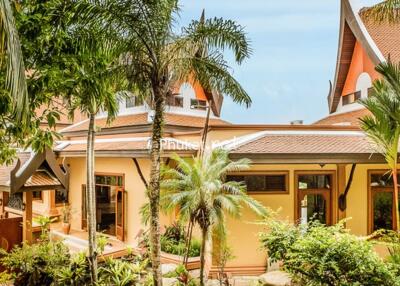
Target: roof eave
{"type": "Point", "coordinates": [350, 16]}
{"type": "Point", "coordinates": [310, 158]}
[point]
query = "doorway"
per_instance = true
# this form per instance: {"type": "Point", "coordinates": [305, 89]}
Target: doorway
{"type": "Point", "coordinates": [109, 205]}
{"type": "Point", "coordinates": [314, 197]}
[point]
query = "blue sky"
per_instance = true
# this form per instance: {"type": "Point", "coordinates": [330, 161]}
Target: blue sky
{"type": "Point", "coordinates": [294, 53]}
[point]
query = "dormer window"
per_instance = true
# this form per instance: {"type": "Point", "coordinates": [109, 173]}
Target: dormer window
{"type": "Point", "coordinates": [175, 101]}
{"type": "Point", "coordinates": [370, 91]}
{"type": "Point", "coordinates": [133, 101]}
{"type": "Point", "coordinates": [351, 98]}
{"type": "Point", "coordinates": [198, 104]}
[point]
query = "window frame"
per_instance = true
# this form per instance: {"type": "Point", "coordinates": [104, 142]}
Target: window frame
{"type": "Point", "coordinates": [39, 200]}
{"type": "Point", "coordinates": [331, 205]}
{"type": "Point", "coordinates": [266, 173]}
{"type": "Point", "coordinates": [381, 189]}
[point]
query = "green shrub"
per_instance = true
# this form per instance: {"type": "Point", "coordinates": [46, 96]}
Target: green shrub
{"type": "Point", "coordinates": [35, 264]}
{"type": "Point", "coordinates": [320, 255]}
{"type": "Point", "coordinates": [169, 245]}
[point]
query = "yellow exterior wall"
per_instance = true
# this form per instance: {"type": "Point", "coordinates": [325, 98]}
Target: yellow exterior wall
{"type": "Point", "coordinates": [243, 234]}
{"type": "Point", "coordinates": [134, 187]}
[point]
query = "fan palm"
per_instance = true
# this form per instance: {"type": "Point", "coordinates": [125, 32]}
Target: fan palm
{"type": "Point", "coordinates": [198, 188]}
{"type": "Point", "coordinates": [158, 59]}
{"type": "Point", "coordinates": [383, 125]}
{"type": "Point", "coordinates": [10, 51]}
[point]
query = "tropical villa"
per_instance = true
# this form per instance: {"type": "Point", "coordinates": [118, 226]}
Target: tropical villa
{"type": "Point", "coordinates": [327, 170]}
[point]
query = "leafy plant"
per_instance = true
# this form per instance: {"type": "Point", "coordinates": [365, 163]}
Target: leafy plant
{"type": "Point", "coordinates": [183, 276]}
{"type": "Point", "coordinates": [37, 264]}
{"type": "Point", "coordinates": [318, 255]}
{"type": "Point", "coordinates": [76, 273]}
{"type": "Point", "coordinates": [222, 254]}
{"type": "Point", "coordinates": [44, 223]}
{"type": "Point", "coordinates": [118, 273]}
{"type": "Point", "coordinates": [66, 213]}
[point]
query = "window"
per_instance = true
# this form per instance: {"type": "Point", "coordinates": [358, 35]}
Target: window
{"type": "Point", "coordinates": [175, 100]}
{"type": "Point", "coordinates": [351, 98]}
{"type": "Point", "coordinates": [37, 195]}
{"type": "Point", "coordinates": [133, 101]}
{"type": "Point", "coordinates": [381, 204]}
{"type": "Point", "coordinates": [370, 91]}
{"type": "Point", "coordinates": [314, 182]}
{"type": "Point", "coordinates": [357, 95]}
{"type": "Point", "coordinates": [198, 104]}
{"type": "Point", "coordinates": [313, 196]}
{"type": "Point", "coordinates": [61, 196]}
{"type": "Point", "coordinates": [109, 180]}
{"type": "Point", "coordinates": [263, 183]}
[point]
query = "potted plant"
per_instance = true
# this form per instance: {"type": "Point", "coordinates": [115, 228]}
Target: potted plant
{"type": "Point", "coordinates": [66, 218]}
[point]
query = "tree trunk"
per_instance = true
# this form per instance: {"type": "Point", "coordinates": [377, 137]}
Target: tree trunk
{"type": "Point", "coordinates": [204, 233]}
{"type": "Point", "coordinates": [396, 218]}
{"type": "Point", "coordinates": [91, 199]}
{"type": "Point", "coordinates": [154, 185]}
{"type": "Point", "coordinates": [188, 243]}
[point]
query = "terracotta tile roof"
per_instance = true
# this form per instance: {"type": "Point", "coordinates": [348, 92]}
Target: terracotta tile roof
{"type": "Point", "coordinates": [306, 143]}
{"type": "Point", "coordinates": [59, 107]}
{"type": "Point", "coordinates": [348, 118]}
{"type": "Point", "coordinates": [124, 144]}
{"type": "Point", "coordinates": [6, 169]}
{"type": "Point", "coordinates": [42, 178]}
{"type": "Point", "coordinates": [386, 36]}
{"type": "Point", "coordinates": [141, 119]}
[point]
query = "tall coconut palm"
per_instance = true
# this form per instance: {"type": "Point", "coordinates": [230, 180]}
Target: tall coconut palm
{"type": "Point", "coordinates": [159, 58]}
{"type": "Point", "coordinates": [10, 51]}
{"type": "Point", "coordinates": [383, 125]}
{"type": "Point", "coordinates": [95, 77]}
{"type": "Point", "coordinates": [199, 187]}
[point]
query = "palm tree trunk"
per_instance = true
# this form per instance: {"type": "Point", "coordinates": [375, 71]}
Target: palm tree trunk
{"type": "Point", "coordinates": [91, 199]}
{"type": "Point", "coordinates": [188, 243]}
{"type": "Point", "coordinates": [204, 233]}
{"type": "Point", "coordinates": [154, 186]}
{"type": "Point", "coordinates": [396, 218]}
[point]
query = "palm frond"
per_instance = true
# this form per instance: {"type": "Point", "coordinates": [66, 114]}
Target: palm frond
{"type": "Point", "coordinates": [11, 49]}
{"type": "Point", "coordinates": [386, 11]}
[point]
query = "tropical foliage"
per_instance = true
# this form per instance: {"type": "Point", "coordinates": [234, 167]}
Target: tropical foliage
{"type": "Point", "coordinates": [383, 125]}
{"type": "Point", "coordinates": [19, 123]}
{"type": "Point", "coordinates": [199, 190]}
{"type": "Point", "coordinates": [385, 11]}
{"type": "Point", "coordinates": [158, 58]}
{"type": "Point", "coordinates": [315, 254]}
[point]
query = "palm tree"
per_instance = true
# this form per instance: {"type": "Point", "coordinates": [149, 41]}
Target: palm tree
{"type": "Point", "coordinates": [158, 58]}
{"type": "Point", "coordinates": [95, 77]}
{"type": "Point", "coordinates": [383, 125]}
{"type": "Point", "coordinates": [385, 11]}
{"type": "Point", "coordinates": [198, 187]}
{"type": "Point", "coordinates": [10, 50]}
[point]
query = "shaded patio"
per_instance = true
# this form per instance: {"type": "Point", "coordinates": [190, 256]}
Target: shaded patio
{"type": "Point", "coordinates": [28, 173]}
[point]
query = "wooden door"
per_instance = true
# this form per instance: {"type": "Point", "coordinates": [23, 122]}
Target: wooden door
{"type": "Point", "coordinates": [120, 214]}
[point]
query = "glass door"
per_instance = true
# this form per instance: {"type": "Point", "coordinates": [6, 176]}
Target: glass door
{"type": "Point", "coordinates": [314, 193]}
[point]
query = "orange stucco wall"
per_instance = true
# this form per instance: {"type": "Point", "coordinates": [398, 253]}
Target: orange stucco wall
{"type": "Point", "coordinates": [360, 63]}
{"type": "Point", "coordinates": [198, 89]}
